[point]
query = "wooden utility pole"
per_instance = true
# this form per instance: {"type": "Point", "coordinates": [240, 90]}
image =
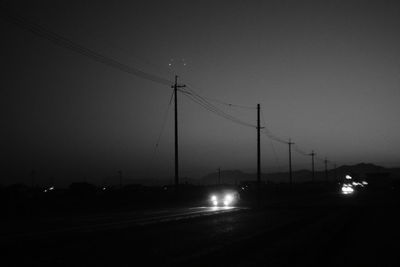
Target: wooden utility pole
{"type": "Point", "coordinates": [176, 86]}
{"type": "Point", "coordinates": [312, 165]}
{"type": "Point", "coordinates": [258, 147]}
{"type": "Point", "coordinates": [290, 162]}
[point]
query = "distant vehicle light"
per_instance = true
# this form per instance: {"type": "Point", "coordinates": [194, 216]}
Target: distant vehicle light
{"type": "Point", "coordinates": [229, 197]}
{"type": "Point", "coordinates": [225, 198]}
{"type": "Point", "coordinates": [347, 190]}
{"type": "Point", "coordinates": [348, 177]}
{"type": "Point", "coordinates": [51, 188]}
{"type": "Point", "coordinates": [364, 182]}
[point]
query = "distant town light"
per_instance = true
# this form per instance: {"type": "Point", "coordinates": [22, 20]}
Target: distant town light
{"type": "Point", "coordinates": [348, 177]}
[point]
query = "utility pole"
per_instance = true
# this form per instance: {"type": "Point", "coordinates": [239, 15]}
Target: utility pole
{"type": "Point", "coordinates": [326, 169]}
{"type": "Point", "coordinates": [258, 157]}
{"type": "Point", "coordinates": [176, 86]}
{"type": "Point", "coordinates": [290, 162]}
{"type": "Point", "coordinates": [258, 148]}
{"type": "Point", "coordinates": [312, 165]}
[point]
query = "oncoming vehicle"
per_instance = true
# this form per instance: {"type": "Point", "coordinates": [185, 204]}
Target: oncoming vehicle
{"type": "Point", "coordinates": [347, 186]}
{"type": "Point", "coordinates": [350, 184]}
{"type": "Point", "coordinates": [224, 198]}
{"type": "Point", "coordinates": [347, 189]}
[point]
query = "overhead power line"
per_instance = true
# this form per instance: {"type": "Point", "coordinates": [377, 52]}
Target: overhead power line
{"type": "Point", "coordinates": [229, 104]}
{"type": "Point", "coordinates": [71, 45]}
{"type": "Point", "coordinates": [198, 99]}
{"type": "Point", "coordinates": [300, 151]}
{"type": "Point", "coordinates": [163, 123]}
{"type": "Point", "coordinates": [269, 134]}
{"type": "Point", "coordinates": [222, 102]}
{"type": "Point", "coordinates": [190, 93]}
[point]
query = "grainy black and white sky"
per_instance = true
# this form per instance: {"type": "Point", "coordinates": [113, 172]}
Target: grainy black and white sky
{"type": "Point", "coordinates": [326, 73]}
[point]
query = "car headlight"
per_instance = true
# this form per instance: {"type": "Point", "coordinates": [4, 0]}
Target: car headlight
{"type": "Point", "coordinates": [214, 200]}
{"type": "Point", "coordinates": [228, 199]}
{"type": "Point", "coordinates": [347, 190]}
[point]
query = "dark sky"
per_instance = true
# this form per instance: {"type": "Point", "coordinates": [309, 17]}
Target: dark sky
{"type": "Point", "coordinates": [326, 74]}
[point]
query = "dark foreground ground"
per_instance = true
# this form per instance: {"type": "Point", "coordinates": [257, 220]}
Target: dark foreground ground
{"type": "Point", "coordinates": [327, 229]}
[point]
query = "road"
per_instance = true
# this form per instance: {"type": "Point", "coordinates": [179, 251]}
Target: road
{"type": "Point", "coordinates": [47, 228]}
{"type": "Point", "coordinates": [330, 230]}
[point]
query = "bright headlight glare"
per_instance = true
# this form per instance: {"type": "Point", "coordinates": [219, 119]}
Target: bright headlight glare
{"type": "Point", "coordinates": [213, 198]}
{"type": "Point", "coordinates": [347, 190]}
{"type": "Point", "coordinates": [228, 197]}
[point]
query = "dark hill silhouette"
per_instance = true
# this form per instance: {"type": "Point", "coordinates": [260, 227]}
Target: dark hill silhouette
{"type": "Point", "coordinates": [301, 176]}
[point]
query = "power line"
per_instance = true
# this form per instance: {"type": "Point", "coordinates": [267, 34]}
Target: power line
{"type": "Point", "coordinates": [71, 45]}
{"type": "Point", "coordinates": [279, 167]}
{"type": "Point", "coordinates": [98, 57]}
{"type": "Point", "coordinates": [300, 151]}
{"type": "Point", "coordinates": [218, 112]}
{"type": "Point", "coordinates": [269, 134]}
{"type": "Point", "coordinates": [231, 105]}
{"type": "Point", "coordinates": [161, 132]}
{"type": "Point", "coordinates": [193, 96]}
{"type": "Point", "coordinates": [164, 122]}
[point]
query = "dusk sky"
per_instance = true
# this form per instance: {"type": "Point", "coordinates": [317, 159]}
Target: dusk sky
{"type": "Point", "coordinates": [326, 74]}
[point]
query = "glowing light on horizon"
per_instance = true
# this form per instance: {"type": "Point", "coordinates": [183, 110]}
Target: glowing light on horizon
{"type": "Point", "coordinates": [347, 190]}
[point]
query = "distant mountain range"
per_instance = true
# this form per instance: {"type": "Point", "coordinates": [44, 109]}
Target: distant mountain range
{"type": "Point", "coordinates": [301, 176]}
{"type": "Point", "coordinates": [237, 176]}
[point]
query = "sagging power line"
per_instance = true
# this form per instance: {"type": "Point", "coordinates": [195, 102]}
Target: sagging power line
{"type": "Point", "coordinates": [196, 98]}
{"type": "Point", "coordinates": [78, 48]}
{"type": "Point", "coordinates": [204, 102]}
